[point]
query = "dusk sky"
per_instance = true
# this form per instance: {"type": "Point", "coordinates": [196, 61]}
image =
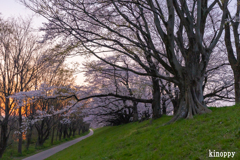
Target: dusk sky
{"type": "Point", "coordinates": [13, 8]}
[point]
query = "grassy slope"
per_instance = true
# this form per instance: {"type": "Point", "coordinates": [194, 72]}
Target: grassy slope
{"type": "Point", "coordinates": [185, 139]}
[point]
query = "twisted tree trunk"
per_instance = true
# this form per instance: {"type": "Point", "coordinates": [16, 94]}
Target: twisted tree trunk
{"type": "Point", "coordinates": [191, 95]}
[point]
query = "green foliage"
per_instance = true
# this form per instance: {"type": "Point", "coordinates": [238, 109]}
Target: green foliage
{"type": "Point", "coordinates": [184, 139]}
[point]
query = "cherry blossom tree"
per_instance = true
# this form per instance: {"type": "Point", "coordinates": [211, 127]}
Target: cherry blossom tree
{"type": "Point", "coordinates": [148, 33]}
{"type": "Point", "coordinates": [19, 56]}
{"type": "Point", "coordinates": [24, 61]}
{"type": "Point", "coordinates": [108, 79]}
{"type": "Point", "coordinates": [6, 105]}
{"type": "Point", "coordinates": [218, 85]}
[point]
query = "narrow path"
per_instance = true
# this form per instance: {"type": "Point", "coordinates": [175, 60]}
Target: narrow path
{"type": "Point", "coordinates": [52, 151]}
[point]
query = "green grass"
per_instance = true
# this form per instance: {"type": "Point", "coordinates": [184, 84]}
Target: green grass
{"type": "Point", "coordinates": [11, 151]}
{"type": "Point", "coordinates": [184, 139]}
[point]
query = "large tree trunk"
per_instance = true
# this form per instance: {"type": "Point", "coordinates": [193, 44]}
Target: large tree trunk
{"type": "Point", "coordinates": [175, 101]}
{"type": "Point", "coordinates": [234, 60]}
{"type": "Point", "coordinates": [156, 98]}
{"type": "Point", "coordinates": [191, 99]}
{"type": "Point", "coordinates": [237, 86]}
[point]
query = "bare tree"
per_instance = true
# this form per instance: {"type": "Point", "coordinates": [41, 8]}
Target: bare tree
{"type": "Point", "coordinates": [109, 79]}
{"type": "Point", "coordinates": [26, 52]}
{"type": "Point", "coordinates": [234, 53]}
{"type": "Point", "coordinates": [24, 61]}
{"type": "Point", "coordinates": [218, 83]}
{"type": "Point", "coordinates": [8, 71]}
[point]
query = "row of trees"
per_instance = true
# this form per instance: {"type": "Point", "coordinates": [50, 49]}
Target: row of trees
{"type": "Point", "coordinates": [25, 63]}
{"type": "Point", "coordinates": [171, 45]}
{"type": "Point", "coordinates": [168, 40]}
{"type": "Point", "coordinates": [154, 56]}
{"type": "Point", "coordinates": [106, 79]}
